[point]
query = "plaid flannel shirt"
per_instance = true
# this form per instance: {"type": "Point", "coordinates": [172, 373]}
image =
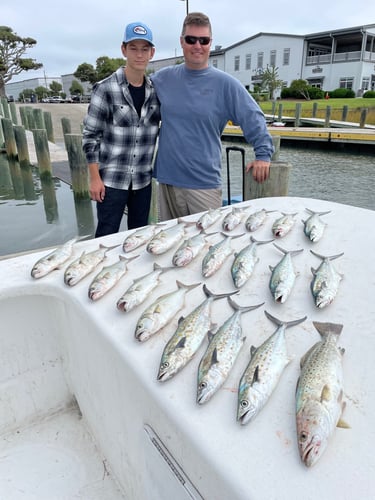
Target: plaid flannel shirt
{"type": "Point", "coordinates": [116, 138]}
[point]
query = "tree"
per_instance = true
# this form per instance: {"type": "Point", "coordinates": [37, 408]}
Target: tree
{"type": "Point", "coordinates": [105, 66]}
{"type": "Point", "coordinates": [86, 73]}
{"type": "Point", "coordinates": [300, 87]}
{"type": "Point", "coordinates": [41, 92]}
{"type": "Point", "coordinates": [12, 48]}
{"type": "Point", "coordinates": [76, 88]}
{"type": "Point", "coordinates": [270, 80]}
{"type": "Point", "coordinates": [55, 87]}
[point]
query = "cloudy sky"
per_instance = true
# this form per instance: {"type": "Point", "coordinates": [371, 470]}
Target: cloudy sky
{"type": "Point", "coordinates": [71, 32]}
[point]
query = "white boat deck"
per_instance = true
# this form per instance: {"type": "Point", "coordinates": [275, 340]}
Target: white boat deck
{"type": "Point", "coordinates": [154, 439]}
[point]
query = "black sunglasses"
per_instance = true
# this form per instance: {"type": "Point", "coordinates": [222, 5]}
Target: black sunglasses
{"type": "Point", "coordinates": [192, 40]}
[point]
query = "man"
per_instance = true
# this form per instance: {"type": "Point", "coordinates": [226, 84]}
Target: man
{"type": "Point", "coordinates": [119, 136]}
{"type": "Point", "coordinates": [196, 103]}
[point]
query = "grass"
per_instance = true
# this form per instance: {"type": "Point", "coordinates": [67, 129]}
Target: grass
{"type": "Point", "coordinates": [355, 107]}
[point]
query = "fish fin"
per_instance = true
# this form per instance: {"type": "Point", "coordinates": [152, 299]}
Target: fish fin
{"type": "Point", "coordinates": [181, 343]}
{"type": "Point", "coordinates": [253, 350]}
{"type": "Point", "coordinates": [325, 329]}
{"type": "Point", "coordinates": [255, 375]}
{"type": "Point", "coordinates": [326, 394]}
{"type": "Point", "coordinates": [180, 319]}
{"type": "Point", "coordinates": [214, 359]}
{"type": "Point", "coordinates": [342, 424]}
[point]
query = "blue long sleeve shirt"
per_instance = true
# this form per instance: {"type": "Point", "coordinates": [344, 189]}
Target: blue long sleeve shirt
{"type": "Point", "coordinates": [195, 107]}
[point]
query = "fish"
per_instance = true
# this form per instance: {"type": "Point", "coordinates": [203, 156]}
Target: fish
{"type": "Point", "coordinates": [55, 259]}
{"type": "Point", "coordinates": [216, 255]}
{"type": "Point", "coordinates": [140, 289]}
{"type": "Point", "coordinates": [319, 394]}
{"type": "Point", "coordinates": [221, 354]}
{"type": "Point", "coordinates": [283, 225]}
{"type": "Point", "coordinates": [256, 219]}
{"type": "Point", "coordinates": [108, 277]}
{"type": "Point", "coordinates": [262, 374]}
{"type": "Point", "coordinates": [188, 250]}
{"type": "Point", "coordinates": [161, 312]}
{"type": "Point", "coordinates": [85, 264]}
{"type": "Point", "coordinates": [314, 226]}
{"type": "Point", "coordinates": [188, 337]}
{"type": "Point", "coordinates": [138, 238]}
{"type": "Point", "coordinates": [209, 218]}
{"type": "Point", "coordinates": [326, 280]}
{"type": "Point", "coordinates": [165, 239]}
{"type": "Point", "coordinates": [233, 218]}
{"type": "Point", "coordinates": [283, 275]}
{"type": "Point", "coordinates": [244, 262]}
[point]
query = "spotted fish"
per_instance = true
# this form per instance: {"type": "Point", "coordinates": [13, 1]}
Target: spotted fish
{"type": "Point", "coordinates": [244, 262]}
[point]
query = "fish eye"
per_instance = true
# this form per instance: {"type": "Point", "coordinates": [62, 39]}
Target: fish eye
{"type": "Point", "coordinates": [165, 365]}
{"type": "Point", "coordinates": [202, 385]}
{"type": "Point", "coordinates": [303, 436]}
{"type": "Point", "coordinates": [244, 403]}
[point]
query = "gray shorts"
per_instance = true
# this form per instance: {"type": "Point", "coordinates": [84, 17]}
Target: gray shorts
{"type": "Point", "coordinates": [177, 202]}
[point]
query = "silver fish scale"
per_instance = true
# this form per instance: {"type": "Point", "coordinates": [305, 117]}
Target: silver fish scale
{"type": "Point", "coordinates": [243, 265]}
{"type": "Point", "coordinates": [325, 284]}
{"type": "Point", "coordinates": [208, 218]}
{"type": "Point", "coordinates": [139, 290]}
{"type": "Point", "coordinates": [165, 239]}
{"type": "Point", "coordinates": [227, 343]}
{"type": "Point", "coordinates": [255, 220]}
{"type": "Point", "coordinates": [216, 256]}
{"type": "Point", "coordinates": [314, 228]}
{"type": "Point", "coordinates": [282, 279]}
{"type": "Point", "coordinates": [53, 260]}
{"type": "Point", "coordinates": [84, 265]}
{"type": "Point", "coordinates": [269, 359]}
{"type": "Point", "coordinates": [189, 249]}
{"type": "Point", "coordinates": [138, 238]}
{"type": "Point", "coordinates": [283, 225]}
{"type": "Point", "coordinates": [107, 279]}
{"type": "Point", "coordinates": [233, 219]}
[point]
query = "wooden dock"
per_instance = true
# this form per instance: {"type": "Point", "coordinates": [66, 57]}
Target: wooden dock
{"type": "Point", "coordinates": [348, 136]}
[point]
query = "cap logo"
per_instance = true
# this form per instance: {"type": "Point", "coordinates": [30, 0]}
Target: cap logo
{"type": "Point", "coordinates": [140, 30]}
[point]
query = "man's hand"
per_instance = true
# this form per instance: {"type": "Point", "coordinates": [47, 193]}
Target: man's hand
{"type": "Point", "coordinates": [97, 190]}
{"type": "Point", "coordinates": [261, 169]}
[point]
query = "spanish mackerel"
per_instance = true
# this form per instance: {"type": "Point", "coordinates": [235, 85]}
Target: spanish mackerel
{"type": "Point", "coordinates": [188, 250]}
{"type": "Point", "coordinates": [283, 225]}
{"type": "Point", "coordinates": [165, 239]}
{"type": "Point", "coordinates": [221, 354]}
{"type": "Point", "coordinates": [108, 277]}
{"type": "Point", "coordinates": [314, 225]}
{"type": "Point", "coordinates": [233, 218]}
{"type": "Point", "coordinates": [138, 238]}
{"type": "Point", "coordinates": [257, 219]}
{"type": "Point", "coordinates": [264, 370]}
{"type": "Point", "coordinates": [209, 218]}
{"type": "Point", "coordinates": [326, 280]}
{"type": "Point", "coordinates": [188, 337]}
{"type": "Point", "coordinates": [283, 275]}
{"type": "Point", "coordinates": [161, 311]}
{"type": "Point", "coordinates": [319, 394]}
{"type": "Point", "coordinates": [85, 264]}
{"type": "Point", "coordinates": [244, 262]}
{"type": "Point", "coordinates": [216, 255]}
{"type": "Point", "coordinates": [141, 289]}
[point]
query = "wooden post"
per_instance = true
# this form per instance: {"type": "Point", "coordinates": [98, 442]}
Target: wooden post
{"type": "Point", "coordinates": [2, 141]}
{"type": "Point", "coordinates": [276, 139]}
{"type": "Point", "coordinates": [42, 153]}
{"type": "Point", "coordinates": [38, 118]}
{"type": "Point", "coordinates": [277, 183]}
{"type": "Point", "coordinates": [328, 117]}
{"type": "Point", "coordinates": [66, 127]}
{"type": "Point", "coordinates": [9, 139]}
{"type": "Point", "coordinates": [78, 166]}
{"type": "Point", "coordinates": [30, 117]}
{"type": "Point", "coordinates": [13, 112]}
{"type": "Point", "coordinates": [153, 216]}
{"type": "Point", "coordinates": [5, 106]}
{"type": "Point", "coordinates": [314, 109]}
{"type": "Point", "coordinates": [280, 116]}
{"type": "Point", "coordinates": [17, 182]}
{"type": "Point", "coordinates": [345, 110]}
{"type": "Point", "coordinates": [49, 125]}
{"type": "Point", "coordinates": [297, 120]}
{"type": "Point", "coordinates": [24, 119]}
{"type": "Point", "coordinates": [362, 120]}
{"type": "Point", "coordinates": [49, 198]}
{"type": "Point", "coordinates": [22, 146]}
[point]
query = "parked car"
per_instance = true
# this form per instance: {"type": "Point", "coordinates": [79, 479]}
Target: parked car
{"type": "Point", "coordinates": [56, 99]}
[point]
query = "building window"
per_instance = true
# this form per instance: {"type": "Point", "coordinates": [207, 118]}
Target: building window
{"type": "Point", "coordinates": [273, 58]}
{"type": "Point", "coordinates": [286, 57]}
{"type": "Point", "coordinates": [365, 83]}
{"type": "Point", "coordinates": [214, 63]}
{"type": "Point", "coordinates": [260, 60]}
{"type": "Point", "coordinates": [237, 63]}
{"type": "Point", "coordinates": [248, 61]}
{"type": "Point", "coordinates": [346, 83]}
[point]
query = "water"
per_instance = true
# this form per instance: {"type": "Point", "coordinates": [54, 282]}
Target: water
{"type": "Point", "coordinates": [327, 175]}
{"type": "Point", "coordinates": [36, 214]}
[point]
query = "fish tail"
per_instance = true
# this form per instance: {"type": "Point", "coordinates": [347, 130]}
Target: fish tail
{"type": "Point", "coordinates": [291, 252]}
{"type": "Point", "coordinates": [312, 212]}
{"type": "Point", "coordinates": [287, 324]}
{"type": "Point", "coordinates": [329, 257]}
{"type": "Point", "coordinates": [215, 296]}
{"type": "Point", "coordinates": [158, 267]}
{"type": "Point", "coordinates": [108, 248]}
{"type": "Point", "coordinates": [237, 307]}
{"type": "Point", "coordinates": [260, 242]}
{"type": "Point", "coordinates": [325, 329]}
{"type": "Point", "coordinates": [188, 287]}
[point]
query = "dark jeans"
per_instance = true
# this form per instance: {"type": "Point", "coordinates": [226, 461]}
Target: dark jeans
{"type": "Point", "coordinates": [111, 209]}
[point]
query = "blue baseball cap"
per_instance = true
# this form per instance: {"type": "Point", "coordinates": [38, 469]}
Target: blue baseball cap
{"type": "Point", "coordinates": [138, 31]}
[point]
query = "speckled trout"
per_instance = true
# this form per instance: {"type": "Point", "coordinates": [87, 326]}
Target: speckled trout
{"type": "Point", "coordinates": [319, 394]}
{"type": "Point", "coordinates": [314, 226]}
{"type": "Point", "coordinates": [244, 262]}
{"type": "Point", "coordinates": [160, 312]}
{"type": "Point", "coordinates": [221, 354]}
{"type": "Point", "coordinates": [283, 275]}
{"type": "Point", "coordinates": [55, 259]}
{"type": "Point", "coordinates": [326, 280]}
{"type": "Point", "coordinates": [140, 289]}
{"type": "Point", "coordinates": [283, 225]}
{"type": "Point", "coordinates": [188, 337]}
{"type": "Point", "coordinates": [85, 264]}
{"type": "Point", "coordinates": [108, 277]}
{"type": "Point", "coordinates": [216, 255]}
{"type": "Point", "coordinates": [263, 372]}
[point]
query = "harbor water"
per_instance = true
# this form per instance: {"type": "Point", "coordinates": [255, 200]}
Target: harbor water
{"type": "Point", "coordinates": [35, 215]}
